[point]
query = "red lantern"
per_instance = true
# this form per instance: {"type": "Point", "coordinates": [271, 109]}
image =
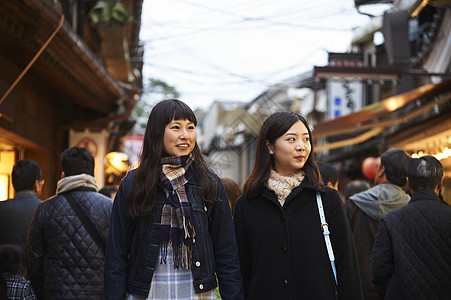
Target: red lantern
{"type": "Point", "coordinates": [370, 166]}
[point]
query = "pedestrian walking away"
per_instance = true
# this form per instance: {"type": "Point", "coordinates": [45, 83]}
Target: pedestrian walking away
{"type": "Point", "coordinates": [65, 255]}
{"type": "Point", "coordinates": [16, 213]}
{"type": "Point", "coordinates": [365, 209]}
{"type": "Point", "coordinates": [412, 252]}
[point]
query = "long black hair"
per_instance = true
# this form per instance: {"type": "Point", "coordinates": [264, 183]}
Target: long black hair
{"type": "Point", "coordinates": [142, 198]}
{"type": "Point", "coordinates": [274, 127]}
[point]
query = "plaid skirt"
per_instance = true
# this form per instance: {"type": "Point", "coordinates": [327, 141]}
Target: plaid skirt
{"type": "Point", "coordinates": [171, 283]}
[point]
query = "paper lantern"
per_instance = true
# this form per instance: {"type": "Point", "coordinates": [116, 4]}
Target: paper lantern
{"type": "Point", "coordinates": [370, 166]}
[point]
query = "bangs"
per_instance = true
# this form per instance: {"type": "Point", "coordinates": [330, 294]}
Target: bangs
{"type": "Point", "coordinates": [280, 122]}
{"type": "Point", "coordinates": [182, 112]}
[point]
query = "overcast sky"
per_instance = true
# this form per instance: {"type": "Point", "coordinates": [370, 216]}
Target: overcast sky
{"type": "Point", "coordinates": [234, 50]}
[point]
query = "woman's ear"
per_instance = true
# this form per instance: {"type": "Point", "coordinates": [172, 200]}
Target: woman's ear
{"type": "Point", "coordinates": [270, 148]}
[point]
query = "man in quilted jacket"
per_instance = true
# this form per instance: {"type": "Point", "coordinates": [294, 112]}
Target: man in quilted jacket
{"type": "Point", "coordinates": [63, 259]}
{"type": "Point", "coordinates": [412, 252]}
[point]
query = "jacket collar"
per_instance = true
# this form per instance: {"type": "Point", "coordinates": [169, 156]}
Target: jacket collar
{"type": "Point", "coordinates": [266, 193]}
{"type": "Point", "coordinates": [26, 194]}
{"type": "Point", "coordinates": [82, 189]}
{"type": "Point", "coordinates": [305, 185]}
{"type": "Point", "coordinates": [425, 195]}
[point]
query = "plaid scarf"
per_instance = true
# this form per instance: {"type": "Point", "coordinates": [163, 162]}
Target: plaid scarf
{"type": "Point", "coordinates": [177, 229]}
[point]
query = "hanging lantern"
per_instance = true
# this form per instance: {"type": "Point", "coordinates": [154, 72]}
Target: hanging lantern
{"type": "Point", "coordinates": [370, 166]}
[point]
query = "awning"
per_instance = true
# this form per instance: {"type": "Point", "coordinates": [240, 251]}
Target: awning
{"type": "Point", "coordinates": [378, 117]}
{"type": "Point", "coordinates": [67, 63]}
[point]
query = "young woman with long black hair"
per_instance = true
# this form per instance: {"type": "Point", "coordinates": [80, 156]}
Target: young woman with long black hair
{"type": "Point", "coordinates": [171, 232]}
{"type": "Point", "coordinates": [281, 237]}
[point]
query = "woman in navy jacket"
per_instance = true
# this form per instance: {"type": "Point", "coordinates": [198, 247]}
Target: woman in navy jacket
{"type": "Point", "coordinates": [171, 229]}
{"type": "Point", "coordinates": [282, 248]}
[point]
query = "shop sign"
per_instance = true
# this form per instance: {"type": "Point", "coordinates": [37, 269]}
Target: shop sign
{"type": "Point", "coordinates": [133, 144]}
{"type": "Point", "coordinates": [344, 97]}
{"type": "Point", "coordinates": [95, 142]}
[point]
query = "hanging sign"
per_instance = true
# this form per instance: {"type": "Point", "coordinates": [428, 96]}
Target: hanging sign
{"type": "Point", "coordinates": [95, 142]}
{"type": "Point", "coordinates": [344, 97]}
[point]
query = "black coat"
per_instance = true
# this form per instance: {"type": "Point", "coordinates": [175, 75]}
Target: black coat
{"type": "Point", "coordinates": [64, 262]}
{"type": "Point", "coordinates": [282, 249]}
{"type": "Point", "coordinates": [15, 217]}
{"type": "Point", "coordinates": [412, 253]}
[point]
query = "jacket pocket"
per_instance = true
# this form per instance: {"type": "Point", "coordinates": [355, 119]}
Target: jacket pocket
{"type": "Point", "coordinates": [200, 215]}
{"type": "Point", "coordinates": [203, 245]}
{"type": "Point", "coordinates": [139, 246]}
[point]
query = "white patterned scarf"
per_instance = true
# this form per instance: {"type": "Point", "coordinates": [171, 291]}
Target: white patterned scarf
{"type": "Point", "coordinates": [70, 183]}
{"type": "Point", "coordinates": [283, 185]}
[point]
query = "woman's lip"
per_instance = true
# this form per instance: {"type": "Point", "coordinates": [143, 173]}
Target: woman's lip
{"type": "Point", "coordinates": [300, 157]}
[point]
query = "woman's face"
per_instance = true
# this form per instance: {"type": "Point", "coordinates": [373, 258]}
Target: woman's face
{"type": "Point", "coordinates": [179, 137]}
{"type": "Point", "coordinates": [291, 150]}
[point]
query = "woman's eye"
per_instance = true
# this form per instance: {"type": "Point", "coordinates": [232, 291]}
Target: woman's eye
{"type": "Point", "coordinates": [192, 127]}
{"type": "Point", "coordinates": [175, 127]}
{"type": "Point", "coordinates": [291, 139]}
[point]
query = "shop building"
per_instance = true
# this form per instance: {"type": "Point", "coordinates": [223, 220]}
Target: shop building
{"type": "Point", "coordinates": [67, 79]}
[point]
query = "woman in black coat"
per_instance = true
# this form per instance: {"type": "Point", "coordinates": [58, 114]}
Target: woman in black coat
{"type": "Point", "coordinates": [281, 244]}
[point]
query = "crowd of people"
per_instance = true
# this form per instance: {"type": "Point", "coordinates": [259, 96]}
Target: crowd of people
{"type": "Point", "coordinates": [174, 229]}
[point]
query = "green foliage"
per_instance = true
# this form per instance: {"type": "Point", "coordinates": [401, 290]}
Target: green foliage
{"type": "Point", "coordinates": [160, 87]}
{"type": "Point", "coordinates": [154, 91]}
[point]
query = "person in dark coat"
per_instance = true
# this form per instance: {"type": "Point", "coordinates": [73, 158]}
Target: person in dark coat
{"type": "Point", "coordinates": [411, 257]}
{"type": "Point", "coordinates": [283, 254]}
{"type": "Point", "coordinates": [16, 213]}
{"type": "Point", "coordinates": [365, 209]}
{"type": "Point", "coordinates": [63, 259]}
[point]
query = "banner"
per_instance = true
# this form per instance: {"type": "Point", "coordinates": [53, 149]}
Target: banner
{"type": "Point", "coordinates": [95, 142]}
{"type": "Point", "coordinates": [344, 97]}
{"type": "Point", "coordinates": [133, 144]}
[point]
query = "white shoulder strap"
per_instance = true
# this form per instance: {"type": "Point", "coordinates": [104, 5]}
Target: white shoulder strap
{"type": "Point", "coordinates": [325, 229]}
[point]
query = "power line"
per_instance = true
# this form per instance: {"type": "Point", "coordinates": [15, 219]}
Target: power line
{"type": "Point", "coordinates": [239, 23]}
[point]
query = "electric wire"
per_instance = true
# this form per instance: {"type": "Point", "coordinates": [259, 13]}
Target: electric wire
{"type": "Point", "coordinates": [247, 22]}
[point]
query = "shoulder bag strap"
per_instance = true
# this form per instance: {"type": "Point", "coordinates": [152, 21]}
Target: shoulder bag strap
{"type": "Point", "coordinates": [325, 229]}
{"type": "Point", "coordinates": [85, 221]}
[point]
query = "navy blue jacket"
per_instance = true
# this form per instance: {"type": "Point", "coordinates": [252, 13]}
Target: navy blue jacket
{"type": "Point", "coordinates": [63, 261]}
{"type": "Point", "coordinates": [412, 253]}
{"type": "Point", "coordinates": [132, 249]}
